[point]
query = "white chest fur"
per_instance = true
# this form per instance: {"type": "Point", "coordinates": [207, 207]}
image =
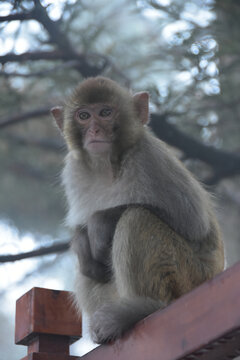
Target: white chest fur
{"type": "Point", "coordinates": [88, 192]}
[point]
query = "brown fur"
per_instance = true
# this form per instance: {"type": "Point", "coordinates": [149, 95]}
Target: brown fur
{"type": "Point", "coordinates": [149, 273]}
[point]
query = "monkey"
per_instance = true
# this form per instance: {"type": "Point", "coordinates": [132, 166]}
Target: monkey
{"type": "Point", "coordinates": [145, 230]}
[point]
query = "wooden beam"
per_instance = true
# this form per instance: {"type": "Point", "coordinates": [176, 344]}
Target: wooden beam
{"type": "Point", "coordinates": [203, 324]}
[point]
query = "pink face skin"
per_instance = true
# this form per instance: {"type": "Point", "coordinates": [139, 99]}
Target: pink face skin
{"type": "Point", "coordinates": [96, 122]}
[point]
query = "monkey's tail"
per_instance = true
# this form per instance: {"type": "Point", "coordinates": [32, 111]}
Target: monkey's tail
{"type": "Point", "coordinates": [113, 319]}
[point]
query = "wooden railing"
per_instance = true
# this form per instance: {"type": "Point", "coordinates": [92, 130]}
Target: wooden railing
{"type": "Point", "coordinates": [203, 324]}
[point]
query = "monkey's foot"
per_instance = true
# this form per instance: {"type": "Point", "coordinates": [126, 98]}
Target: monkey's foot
{"type": "Point", "coordinates": [104, 325]}
{"type": "Point", "coordinates": [113, 319]}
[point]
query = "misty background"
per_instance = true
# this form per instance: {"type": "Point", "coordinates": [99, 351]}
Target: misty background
{"type": "Point", "coordinates": [185, 53]}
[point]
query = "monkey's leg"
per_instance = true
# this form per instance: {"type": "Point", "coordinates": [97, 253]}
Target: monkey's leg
{"type": "Point", "coordinates": [90, 295]}
{"type": "Point", "coordinates": [152, 266]}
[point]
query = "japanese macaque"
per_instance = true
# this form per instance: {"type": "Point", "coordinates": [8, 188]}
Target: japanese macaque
{"type": "Point", "coordinates": [144, 229]}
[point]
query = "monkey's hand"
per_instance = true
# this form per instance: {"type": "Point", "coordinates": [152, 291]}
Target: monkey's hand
{"type": "Point", "coordinates": [101, 227]}
{"type": "Point", "coordinates": [89, 267]}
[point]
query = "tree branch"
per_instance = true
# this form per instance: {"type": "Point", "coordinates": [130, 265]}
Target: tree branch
{"type": "Point", "coordinates": [19, 118]}
{"type": "Point", "coordinates": [45, 144]}
{"type": "Point", "coordinates": [84, 68]}
{"type": "Point", "coordinates": [223, 163]}
{"type": "Point", "coordinates": [33, 56]}
{"type": "Point", "coordinates": [40, 14]}
{"type": "Point", "coordinates": [80, 63]}
{"type": "Point", "coordinates": [56, 35]}
{"type": "Point", "coordinates": [45, 250]}
{"type": "Point", "coordinates": [17, 16]}
{"type": "Point", "coordinates": [67, 65]}
{"type": "Point", "coordinates": [59, 38]}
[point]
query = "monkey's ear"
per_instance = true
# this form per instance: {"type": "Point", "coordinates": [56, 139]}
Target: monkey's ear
{"type": "Point", "coordinates": [57, 113]}
{"type": "Point", "coordinates": [141, 102]}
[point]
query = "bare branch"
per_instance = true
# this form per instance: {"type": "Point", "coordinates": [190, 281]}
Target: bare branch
{"type": "Point", "coordinates": [45, 250]}
{"type": "Point", "coordinates": [56, 35]}
{"type": "Point", "coordinates": [45, 144]}
{"type": "Point", "coordinates": [84, 68]}
{"type": "Point", "coordinates": [222, 162]}
{"type": "Point", "coordinates": [40, 14]}
{"type": "Point", "coordinates": [18, 118]}
{"type": "Point", "coordinates": [67, 65]}
{"type": "Point", "coordinates": [33, 56]}
{"type": "Point", "coordinates": [17, 16]}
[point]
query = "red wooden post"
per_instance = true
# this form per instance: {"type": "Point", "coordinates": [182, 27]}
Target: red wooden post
{"type": "Point", "coordinates": [47, 323]}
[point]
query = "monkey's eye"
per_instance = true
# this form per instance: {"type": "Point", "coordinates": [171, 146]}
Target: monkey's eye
{"type": "Point", "coordinates": [83, 115]}
{"type": "Point", "coordinates": [105, 112]}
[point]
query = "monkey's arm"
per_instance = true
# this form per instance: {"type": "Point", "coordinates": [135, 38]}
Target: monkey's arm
{"type": "Point", "coordinates": [94, 244]}
{"type": "Point", "coordinates": [88, 266]}
{"type": "Point", "coordinates": [101, 227]}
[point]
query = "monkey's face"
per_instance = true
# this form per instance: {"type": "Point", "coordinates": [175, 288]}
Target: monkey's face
{"type": "Point", "coordinates": [96, 123]}
{"type": "Point", "coordinates": [102, 118]}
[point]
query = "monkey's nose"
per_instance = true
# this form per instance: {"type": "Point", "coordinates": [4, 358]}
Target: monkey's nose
{"type": "Point", "coordinates": [94, 130]}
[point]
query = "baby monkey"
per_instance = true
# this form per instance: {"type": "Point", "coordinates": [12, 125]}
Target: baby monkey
{"type": "Point", "coordinates": [144, 229]}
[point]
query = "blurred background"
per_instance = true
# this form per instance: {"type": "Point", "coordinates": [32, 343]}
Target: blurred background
{"type": "Point", "coordinates": [185, 53]}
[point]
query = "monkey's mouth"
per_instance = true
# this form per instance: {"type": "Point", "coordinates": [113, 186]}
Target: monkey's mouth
{"type": "Point", "coordinates": [99, 141]}
{"type": "Point", "coordinates": [98, 146]}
